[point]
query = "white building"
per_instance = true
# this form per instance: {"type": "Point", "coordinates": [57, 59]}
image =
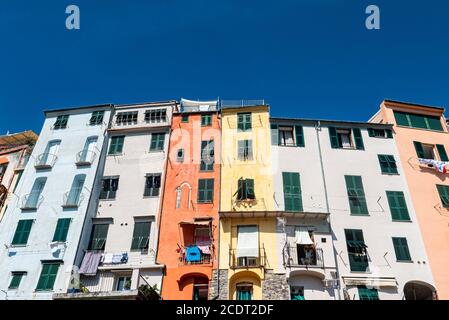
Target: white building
{"type": "Point", "coordinates": [121, 236]}
{"type": "Point", "coordinates": [41, 229]}
{"type": "Point", "coordinates": [351, 172]}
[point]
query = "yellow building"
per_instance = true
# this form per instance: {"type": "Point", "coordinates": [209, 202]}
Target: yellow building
{"type": "Point", "coordinates": [248, 259]}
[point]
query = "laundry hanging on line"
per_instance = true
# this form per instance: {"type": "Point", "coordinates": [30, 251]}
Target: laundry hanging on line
{"type": "Point", "coordinates": [441, 166]}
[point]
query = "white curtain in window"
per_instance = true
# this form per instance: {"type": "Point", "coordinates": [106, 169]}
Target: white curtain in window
{"type": "Point", "coordinates": [247, 242]}
{"type": "Point", "coordinates": [345, 142]}
{"type": "Point", "coordinates": [302, 236]}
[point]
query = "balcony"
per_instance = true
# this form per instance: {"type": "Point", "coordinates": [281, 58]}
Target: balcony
{"type": "Point", "coordinates": [241, 262]}
{"type": "Point", "coordinates": [85, 158]}
{"type": "Point", "coordinates": [198, 259]}
{"type": "Point", "coordinates": [45, 161]}
{"type": "Point", "coordinates": [303, 257]}
{"type": "Point", "coordinates": [32, 201]}
{"type": "Point", "coordinates": [72, 199]}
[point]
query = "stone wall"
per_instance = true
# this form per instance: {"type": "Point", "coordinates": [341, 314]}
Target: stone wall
{"type": "Point", "coordinates": [275, 286]}
{"type": "Point", "coordinates": [219, 277]}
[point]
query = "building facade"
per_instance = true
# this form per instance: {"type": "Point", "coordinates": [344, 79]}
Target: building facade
{"type": "Point", "coordinates": [117, 253]}
{"type": "Point", "coordinates": [248, 263]}
{"type": "Point", "coordinates": [43, 224]}
{"type": "Point", "coordinates": [15, 151]}
{"type": "Point", "coordinates": [421, 136]}
{"type": "Point", "coordinates": [188, 237]}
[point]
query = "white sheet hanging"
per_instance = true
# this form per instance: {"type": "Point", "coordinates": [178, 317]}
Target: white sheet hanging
{"type": "Point", "coordinates": [247, 242]}
{"type": "Point", "coordinates": [302, 236]}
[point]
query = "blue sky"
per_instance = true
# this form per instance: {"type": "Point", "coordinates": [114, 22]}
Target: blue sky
{"type": "Point", "coordinates": [309, 58]}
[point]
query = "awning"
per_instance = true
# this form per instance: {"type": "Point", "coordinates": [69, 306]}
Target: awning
{"type": "Point", "coordinates": [357, 244]}
{"type": "Point", "coordinates": [371, 282]}
{"type": "Point", "coordinates": [302, 236]}
{"type": "Point", "coordinates": [247, 242]}
{"type": "Point", "coordinates": [198, 222]}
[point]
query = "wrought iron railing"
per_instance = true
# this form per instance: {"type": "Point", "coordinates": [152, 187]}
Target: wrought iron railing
{"type": "Point", "coordinates": [242, 103]}
{"type": "Point", "coordinates": [32, 200]}
{"type": "Point", "coordinates": [45, 161]}
{"type": "Point", "coordinates": [72, 198]}
{"type": "Point", "coordinates": [236, 261]}
{"type": "Point", "coordinates": [85, 157]}
{"type": "Point", "coordinates": [294, 257]}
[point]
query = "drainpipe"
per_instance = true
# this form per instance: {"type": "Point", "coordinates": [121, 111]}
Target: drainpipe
{"type": "Point", "coordinates": [317, 130]}
{"type": "Point", "coordinates": [219, 200]}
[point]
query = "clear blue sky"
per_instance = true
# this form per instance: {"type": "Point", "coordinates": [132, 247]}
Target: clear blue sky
{"type": "Point", "coordinates": [309, 58]}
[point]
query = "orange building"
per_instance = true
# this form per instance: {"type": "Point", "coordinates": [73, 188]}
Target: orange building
{"type": "Point", "coordinates": [422, 139]}
{"type": "Point", "coordinates": [189, 219]}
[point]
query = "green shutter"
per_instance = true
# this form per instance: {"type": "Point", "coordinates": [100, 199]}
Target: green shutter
{"type": "Point", "coordinates": [292, 191]}
{"type": "Point", "coordinates": [356, 195]}
{"type": "Point", "coordinates": [250, 189]}
{"type": "Point", "coordinates": [367, 294]}
{"type": "Point", "coordinates": [389, 133]}
{"type": "Point", "coordinates": [47, 277]}
{"type": "Point", "coordinates": [206, 120]}
{"type": "Point", "coordinates": [401, 249]}
{"type": "Point", "coordinates": [141, 235]}
{"type": "Point", "coordinates": [62, 228]}
{"type": "Point", "coordinates": [335, 141]}
{"type": "Point", "coordinates": [398, 206]}
{"type": "Point", "coordinates": [157, 141]}
{"type": "Point", "coordinates": [299, 132]}
{"type": "Point", "coordinates": [274, 135]}
{"type": "Point", "coordinates": [442, 152]}
{"type": "Point", "coordinates": [419, 149]}
{"type": "Point", "coordinates": [401, 119]}
{"type": "Point", "coordinates": [205, 190]}
{"type": "Point", "coordinates": [371, 132]}
{"type": "Point", "coordinates": [15, 280]}
{"type": "Point", "coordinates": [355, 243]}
{"type": "Point", "coordinates": [387, 164]}
{"type": "Point", "coordinates": [116, 146]}
{"type": "Point", "coordinates": [358, 139]}
{"type": "Point", "coordinates": [22, 232]}
{"type": "Point", "coordinates": [185, 118]}
{"type": "Point", "coordinates": [443, 191]}
{"type": "Point", "coordinates": [98, 237]}
{"type": "Point", "coordinates": [243, 121]}
{"type": "Point", "coordinates": [434, 123]}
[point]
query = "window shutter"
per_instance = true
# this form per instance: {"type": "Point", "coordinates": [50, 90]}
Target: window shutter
{"type": "Point", "coordinates": [389, 133]}
{"type": "Point", "coordinates": [419, 149]}
{"type": "Point", "coordinates": [22, 232]}
{"type": "Point", "coordinates": [99, 235]}
{"type": "Point", "coordinates": [442, 152]}
{"type": "Point", "coordinates": [240, 122]}
{"type": "Point", "coordinates": [356, 195]}
{"type": "Point", "coordinates": [358, 139]}
{"type": "Point", "coordinates": [398, 206]}
{"type": "Point", "coordinates": [292, 191]}
{"type": "Point", "coordinates": [62, 228]}
{"type": "Point", "coordinates": [335, 141]}
{"type": "Point", "coordinates": [443, 191]}
{"type": "Point", "coordinates": [241, 149]}
{"type": "Point", "coordinates": [371, 132]}
{"type": "Point", "coordinates": [434, 123]}
{"type": "Point", "coordinates": [299, 132]}
{"type": "Point", "coordinates": [48, 276]}
{"type": "Point", "coordinates": [250, 189]}
{"type": "Point", "coordinates": [141, 235]}
{"type": "Point", "coordinates": [401, 119]}
{"type": "Point", "coordinates": [274, 134]}
{"type": "Point", "coordinates": [249, 146]}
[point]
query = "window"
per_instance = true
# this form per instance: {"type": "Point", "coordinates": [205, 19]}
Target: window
{"type": "Point", "coordinates": [356, 195]}
{"type": "Point", "coordinates": [74, 196]}
{"type": "Point", "coordinates": [87, 155]}
{"type": "Point", "coordinates": [22, 232]}
{"type": "Point", "coordinates": [292, 191]}
{"type": "Point", "coordinates": [387, 164]}
{"type": "Point", "coordinates": [16, 278]}
{"type": "Point", "coordinates": [185, 118]}
{"type": "Point", "coordinates": [345, 139]}
{"type": "Point", "coordinates": [424, 151]}
{"type": "Point", "coordinates": [398, 207]}
{"type": "Point", "coordinates": [109, 188]}
{"type": "Point", "coordinates": [207, 155]}
{"type": "Point", "coordinates": [127, 118]}
{"type": "Point", "coordinates": [443, 191]}
{"type": "Point", "coordinates": [180, 155]}
{"type": "Point", "coordinates": [123, 283]}
{"type": "Point", "coordinates": [367, 294]}
{"type": "Point", "coordinates": [141, 236]}
{"type": "Point", "coordinates": [61, 122]}
{"type": "Point", "coordinates": [414, 120]}
{"type": "Point", "coordinates": [286, 136]}
{"type": "Point", "coordinates": [98, 236]}
{"type": "Point", "coordinates": [358, 258]}
{"type": "Point", "coordinates": [48, 276]}
{"type": "Point", "coordinates": [245, 190]}
{"type": "Point", "coordinates": [244, 121]}
{"type": "Point", "coordinates": [152, 185]}
{"type": "Point", "coordinates": [48, 158]}
{"type": "Point", "coordinates": [380, 133]}
{"type": "Point", "coordinates": [62, 228]}
{"type": "Point", "coordinates": [157, 141]}
{"type": "Point", "coordinates": [96, 118]}
{"type": "Point", "coordinates": [244, 291]}
{"type": "Point", "coordinates": [33, 199]}
{"type": "Point", "coordinates": [401, 249]}
{"type": "Point", "coordinates": [156, 116]}
{"type": "Point", "coordinates": [206, 120]}
{"type": "Point", "coordinates": [245, 150]}
{"type": "Point", "coordinates": [200, 291]}
{"type": "Point", "coordinates": [205, 190]}
{"type": "Point", "coordinates": [299, 134]}
{"type": "Point", "coordinates": [442, 152]}
{"type": "Point", "coordinates": [116, 146]}
{"type": "Point", "coordinates": [297, 293]}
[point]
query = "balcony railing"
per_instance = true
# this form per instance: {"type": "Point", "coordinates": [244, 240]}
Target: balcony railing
{"type": "Point", "coordinates": [236, 261]}
{"type": "Point", "coordinates": [72, 199]}
{"type": "Point", "coordinates": [32, 201]}
{"type": "Point", "coordinates": [242, 103]}
{"type": "Point", "coordinates": [45, 161]}
{"type": "Point", "coordinates": [204, 259]}
{"type": "Point", "coordinates": [294, 257]}
{"type": "Point", "coordinates": [85, 157]}
{"type": "Point", "coordinates": [358, 262]}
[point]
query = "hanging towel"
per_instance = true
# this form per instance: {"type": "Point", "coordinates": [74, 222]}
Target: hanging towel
{"type": "Point", "coordinates": [90, 263]}
{"type": "Point", "coordinates": [302, 236]}
{"type": "Point", "coordinates": [107, 258]}
{"type": "Point", "coordinates": [117, 258]}
{"type": "Point", "coordinates": [193, 254]}
{"type": "Point", "coordinates": [441, 166]}
{"type": "Point", "coordinates": [204, 249]}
